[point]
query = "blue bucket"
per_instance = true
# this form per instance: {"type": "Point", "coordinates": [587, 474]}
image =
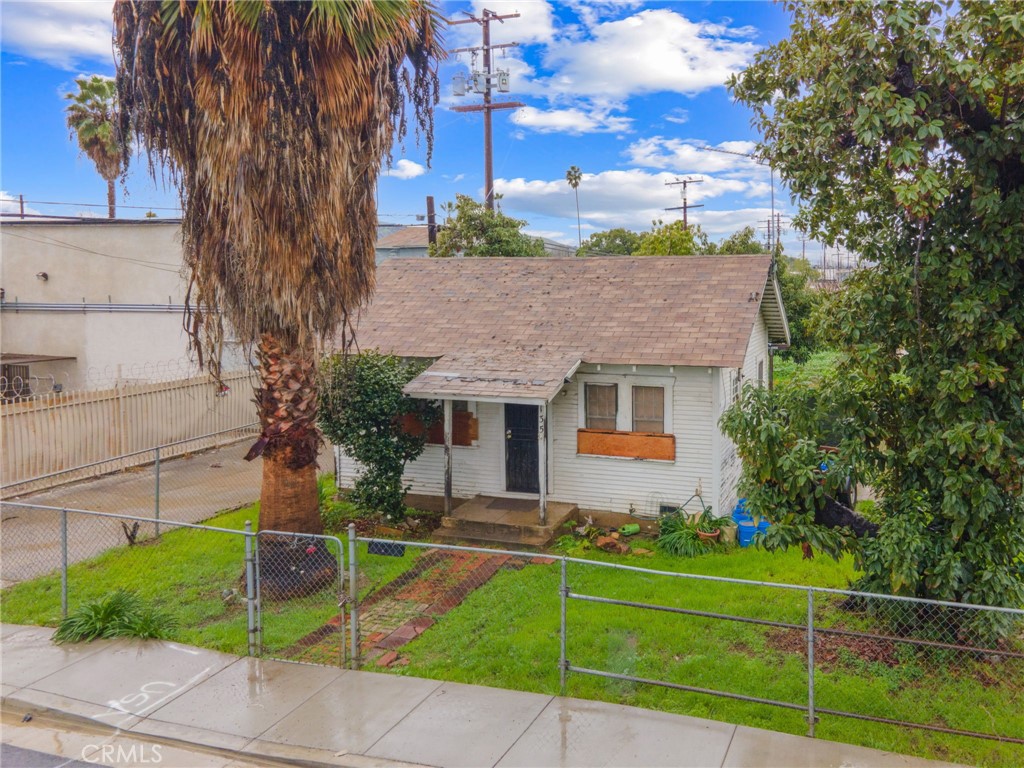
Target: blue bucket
{"type": "Point", "coordinates": [747, 529]}
{"type": "Point", "coordinates": [763, 526]}
{"type": "Point", "coordinates": [739, 513]}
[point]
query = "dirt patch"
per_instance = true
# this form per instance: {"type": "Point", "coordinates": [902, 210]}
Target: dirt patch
{"type": "Point", "coordinates": [830, 650]}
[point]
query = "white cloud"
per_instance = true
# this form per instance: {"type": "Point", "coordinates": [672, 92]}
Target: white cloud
{"type": "Point", "coordinates": [591, 12]}
{"type": "Point", "coordinates": [685, 156]}
{"type": "Point", "coordinates": [405, 169]}
{"type": "Point", "coordinates": [58, 32]}
{"type": "Point", "coordinates": [677, 116]}
{"type": "Point", "coordinates": [628, 198]}
{"type": "Point", "coordinates": [536, 23]}
{"type": "Point", "coordinates": [651, 51]}
{"type": "Point", "coordinates": [573, 121]}
{"type": "Point", "coordinates": [550, 234]}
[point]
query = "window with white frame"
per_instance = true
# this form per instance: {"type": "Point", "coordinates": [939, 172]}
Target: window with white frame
{"type": "Point", "coordinates": [626, 403]}
{"type": "Point", "coordinates": [649, 409]}
{"type": "Point", "coordinates": [601, 406]}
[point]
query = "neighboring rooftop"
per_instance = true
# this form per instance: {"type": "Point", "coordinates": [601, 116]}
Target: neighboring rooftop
{"type": "Point", "coordinates": [668, 310]}
{"type": "Point", "coordinates": [406, 237]}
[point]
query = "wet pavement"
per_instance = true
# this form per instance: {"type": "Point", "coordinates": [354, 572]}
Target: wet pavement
{"type": "Point", "coordinates": [252, 710]}
{"type": "Point", "coordinates": [192, 489]}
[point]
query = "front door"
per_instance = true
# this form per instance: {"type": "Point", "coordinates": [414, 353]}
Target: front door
{"type": "Point", "coordinates": [521, 464]}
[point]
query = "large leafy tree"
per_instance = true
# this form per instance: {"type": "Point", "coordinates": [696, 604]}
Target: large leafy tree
{"type": "Point", "coordinates": [91, 117]}
{"type": "Point", "coordinates": [617, 241]}
{"type": "Point", "coordinates": [672, 239]}
{"type": "Point", "coordinates": [739, 243]}
{"type": "Point", "coordinates": [474, 230]}
{"type": "Point", "coordinates": [273, 118]}
{"type": "Point", "coordinates": [899, 124]}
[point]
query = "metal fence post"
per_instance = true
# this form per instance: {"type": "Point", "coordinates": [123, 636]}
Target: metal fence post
{"type": "Point", "coordinates": [64, 563]}
{"type": "Point", "coordinates": [810, 663]}
{"type": "Point", "coordinates": [563, 662]}
{"type": "Point", "coordinates": [353, 592]}
{"type": "Point", "coordinates": [250, 590]}
{"type": "Point", "coordinates": [156, 496]}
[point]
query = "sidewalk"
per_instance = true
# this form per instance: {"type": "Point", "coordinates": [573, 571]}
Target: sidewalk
{"type": "Point", "coordinates": [255, 709]}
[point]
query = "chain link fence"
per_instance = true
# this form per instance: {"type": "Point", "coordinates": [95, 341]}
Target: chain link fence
{"type": "Point", "coordinates": [187, 481]}
{"type": "Point", "coordinates": [408, 588]}
{"type": "Point", "coordinates": [820, 654]}
{"type": "Point", "coordinates": [786, 657]}
{"type": "Point", "coordinates": [300, 591]}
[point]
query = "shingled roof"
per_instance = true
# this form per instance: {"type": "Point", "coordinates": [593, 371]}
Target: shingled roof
{"type": "Point", "coordinates": [670, 310]}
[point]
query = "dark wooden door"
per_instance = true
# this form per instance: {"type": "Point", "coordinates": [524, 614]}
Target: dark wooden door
{"type": "Point", "coordinates": [521, 462]}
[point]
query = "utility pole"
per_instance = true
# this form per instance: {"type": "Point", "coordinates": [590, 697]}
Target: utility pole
{"type": "Point", "coordinates": [482, 83]}
{"type": "Point", "coordinates": [684, 207]}
{"type": "Point", "coordinates": [431, 221]}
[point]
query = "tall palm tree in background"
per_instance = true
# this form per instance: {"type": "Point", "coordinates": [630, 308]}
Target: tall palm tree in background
{"type": "Point", "coordinates": [273, 118]}
{"type": "Point", "coordinates": [574, 176]}
{"type": "Point", "coordinates": [91, 117]}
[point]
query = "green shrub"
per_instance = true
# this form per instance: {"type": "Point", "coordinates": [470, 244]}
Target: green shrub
{"type": "Point", "coordinates": [678, 537]}
{"type": "Point", "coordinates": [119, 614]}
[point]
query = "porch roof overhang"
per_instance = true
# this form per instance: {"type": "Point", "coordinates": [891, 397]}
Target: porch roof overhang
{"type": "Point", "coordinates": [531, 376]}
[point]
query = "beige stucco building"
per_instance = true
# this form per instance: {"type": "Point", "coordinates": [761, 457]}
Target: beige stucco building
{"type": "Point", "coordinates": [92, 299]}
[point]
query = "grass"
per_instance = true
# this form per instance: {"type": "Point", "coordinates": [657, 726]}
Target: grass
{"type": "Point", "coordinates": [516, 646]}
{"type": "Point", "coordinates": [506, 634]}
{"type": "Point", "coordinates": [197, 578]}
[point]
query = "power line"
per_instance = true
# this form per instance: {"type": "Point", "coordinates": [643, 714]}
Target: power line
{"type": "Point", "coordinates": [159, 266]}
{"type": "Point", "coordinates": [103, 205]}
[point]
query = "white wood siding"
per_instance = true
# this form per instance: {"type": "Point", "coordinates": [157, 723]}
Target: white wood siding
{"type": "Point", "coordinates": [475, 469]}
{"type": "Point", "coordinates": [595, 482]}
{"type": "Point", "coordinates": [617, 484]}
{"type": "Point", "coordinates": [729, 473]}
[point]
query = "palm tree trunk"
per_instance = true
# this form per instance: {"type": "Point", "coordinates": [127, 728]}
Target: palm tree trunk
{"type": "Point", "coordinates": [111, 209]}
{"type": "Point", "coordinates": [286, 401]}
{"type": "Point", "coordinates": [579, 229]}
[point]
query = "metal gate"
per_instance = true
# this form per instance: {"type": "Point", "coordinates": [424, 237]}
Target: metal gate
{"type": "Point", "coordinates": [300, 597]}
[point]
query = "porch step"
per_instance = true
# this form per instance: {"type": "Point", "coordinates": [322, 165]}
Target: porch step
{"type": "Point", "coordinates": [479, 521]}
{"type": "Point", "coordinates": [513, 540]}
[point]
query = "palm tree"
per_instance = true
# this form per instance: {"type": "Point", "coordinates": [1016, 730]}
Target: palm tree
{"type": "Point", "coordinates": [90, 117]}
{"type": "Point", "coordinates": [274, 117]}
{"type": "Point", "coordinates": [574, 176]}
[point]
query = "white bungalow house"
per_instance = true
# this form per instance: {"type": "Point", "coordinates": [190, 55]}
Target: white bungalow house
{"type": "Point", "coordinates": [589, 383]}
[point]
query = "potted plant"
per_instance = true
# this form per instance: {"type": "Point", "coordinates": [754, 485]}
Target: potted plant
{"type": "Point", "coordinates": [707, 526]}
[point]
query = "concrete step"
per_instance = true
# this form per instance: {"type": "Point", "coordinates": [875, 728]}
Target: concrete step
{"type": "Point", "coordinates": [510, 539]}
{"type": "Point", "coordinates": [460, 529]}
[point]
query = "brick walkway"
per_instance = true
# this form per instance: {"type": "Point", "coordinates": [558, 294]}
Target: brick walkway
{"type": "Point", "coordinates": [406, 607]}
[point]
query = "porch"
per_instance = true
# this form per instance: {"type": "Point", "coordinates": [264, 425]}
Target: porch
{"type": "Point", "coordinates": [494, 520]}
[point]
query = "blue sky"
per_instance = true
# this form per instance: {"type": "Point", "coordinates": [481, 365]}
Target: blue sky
{"type": "Point", "coordinates": [624, 90]}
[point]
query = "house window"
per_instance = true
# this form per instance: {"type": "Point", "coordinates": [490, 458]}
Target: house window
{"type": "Point", "coordinates": [760, 373]}
{"type": "Point", "coordinates": [649, 409]}
{"type": "Point", "coordinates": [736, 380]}
{"type": "Point", "coordinates": [602, 406]}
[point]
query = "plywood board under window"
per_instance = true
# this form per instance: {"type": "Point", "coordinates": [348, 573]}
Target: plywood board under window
{"type": "Point", "coordinates": [631, 445]}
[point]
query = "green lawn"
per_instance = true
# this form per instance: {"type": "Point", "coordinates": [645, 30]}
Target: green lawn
{"type": "Point", "coordinates": [198, 577]}
{"type": "Point", "coordinates": [506, 634]}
